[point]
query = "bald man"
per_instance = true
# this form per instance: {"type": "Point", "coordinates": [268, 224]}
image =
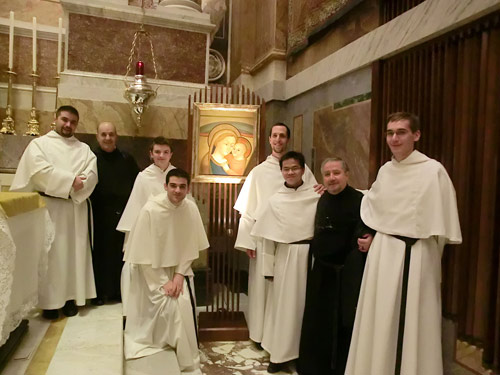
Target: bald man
{"type": "Point", "coordinates": [117, 171]}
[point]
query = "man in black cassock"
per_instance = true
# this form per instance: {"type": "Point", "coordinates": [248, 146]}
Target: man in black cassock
{"type": "Point", "coordinates": [117, 171]}
{"type": "Point", "coordinates": [335, 274]}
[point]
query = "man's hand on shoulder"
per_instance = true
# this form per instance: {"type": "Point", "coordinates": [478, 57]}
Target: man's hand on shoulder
{"type": "Point", "coordinates": [78, 182]}
{"type": "Point", "coordinates": [319, 188]}
{"type": "Point", "coordinates": [251, 253]}
{"type": "Point", "coordinates": [365, 242]}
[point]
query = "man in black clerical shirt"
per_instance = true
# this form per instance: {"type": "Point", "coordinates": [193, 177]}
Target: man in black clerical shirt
{"type": "Point", "coordinates": [335, 275]}
{"type": "Point", "coordinates": [117, 171]}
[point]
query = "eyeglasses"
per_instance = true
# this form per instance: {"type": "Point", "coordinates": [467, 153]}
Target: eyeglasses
{"type": "Point", "coordinates": [291, 169]}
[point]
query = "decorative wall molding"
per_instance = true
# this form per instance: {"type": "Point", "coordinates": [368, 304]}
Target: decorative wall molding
{"type": "Point", "coordinates": [171, 17]}
{"type": "Point", "coordinates": [428, 20]}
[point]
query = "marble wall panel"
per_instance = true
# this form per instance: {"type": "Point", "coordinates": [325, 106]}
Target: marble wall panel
{"type": "Point", "coordinates": [23, 57]}
{"type": "Point", "coordinates": [46, 12]}
{"type": "Point", "coordinates": [281, 24]}
{"type": "Point", "coordinates": [138, 147]}
{"type": "Point", "coordinates": [359, 21]}
{"type": "Point", "coordinates": [265, 26]}
{"type": "Point", "coordinates": [157, 121]}
{"type": "Point", "coordinates": [344, 133]}
{"type": "Point", "coordinates": [12, 148]}
{"type": "Point", "coordinates": [343, 90]}
{"type": "Point", "coordinates": [103, 46]}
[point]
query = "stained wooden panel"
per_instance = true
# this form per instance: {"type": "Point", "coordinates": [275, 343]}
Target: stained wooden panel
{"type": "Point", "coordinates": [390, 9]}
{"type": "Point", "coordinates": [453, 85]}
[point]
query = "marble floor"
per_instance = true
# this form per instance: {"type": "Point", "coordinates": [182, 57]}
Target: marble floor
{"type": "Point", "coordinates": [92, 343]}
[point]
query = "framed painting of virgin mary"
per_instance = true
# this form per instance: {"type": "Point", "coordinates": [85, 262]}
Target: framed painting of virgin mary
{"type": "Point", "coordinates": [225, 141]}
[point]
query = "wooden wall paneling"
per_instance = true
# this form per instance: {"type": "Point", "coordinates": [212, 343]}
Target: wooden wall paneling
{"type": "Point", "coordinates": [376, 120]}
{"type": "Point", "coordinates": [452, 84]}
{"type": "Point", "coordinates": [452, 273]}
{"type": "Point", "coordinates": [263, 138]}
{"type": "Point", "coordinates": [489, 219]}
{"type": "Point", "coordinates": [222, 319]}
{"type": "Point", "coordinates": [432, 126]}
{"type": "Point", "coordinates": [462, 185]}
{"type": "Point", "coordinates": [483, 237]}
{"type": "Point", "coordinates": [450, 258]}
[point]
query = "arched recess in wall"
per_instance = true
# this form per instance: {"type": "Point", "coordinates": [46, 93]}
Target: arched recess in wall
{"type": "Point", "coordinates": [453, 84]}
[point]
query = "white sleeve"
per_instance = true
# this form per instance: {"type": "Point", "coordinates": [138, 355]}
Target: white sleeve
{"type": "Point", "coordinates": [184, 268]}
{"type": "Point", "coordinates": [267, 255]}
{"type": "Point", "coordinates": [244, 240]}
{"type": "Point", "coordinates": [90, 181]}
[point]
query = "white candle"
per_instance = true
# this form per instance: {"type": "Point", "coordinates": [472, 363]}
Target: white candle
{"type": "Point", "coordinates": [11, 41]}
{"type": "Point", "coordinates": [59, 47]}
{"type": "Point", "coordinates": [34, 44]}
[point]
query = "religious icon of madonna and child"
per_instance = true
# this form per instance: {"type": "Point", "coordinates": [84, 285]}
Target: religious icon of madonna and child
{"type": "Point", "coordinates": [229, 149]}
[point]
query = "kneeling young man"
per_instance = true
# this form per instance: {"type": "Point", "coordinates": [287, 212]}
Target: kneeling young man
{"type": "Point", "coordinates": [164, 241]}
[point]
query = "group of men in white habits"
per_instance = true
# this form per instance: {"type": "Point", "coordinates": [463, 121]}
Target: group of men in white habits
{"type": "Point", "coordinates": [307, 259]}
{"type": "Point", "coordinates": [163, 232]}
{"type": "Point", "coordinates": [306, 254]}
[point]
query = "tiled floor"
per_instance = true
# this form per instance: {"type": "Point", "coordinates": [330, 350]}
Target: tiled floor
{"type": "Point", "coordinates": [235, 358]}
{"type": "Point", "coordinates": [91, 343]}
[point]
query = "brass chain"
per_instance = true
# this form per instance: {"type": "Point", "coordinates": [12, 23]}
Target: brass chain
{"type": "Point", "coordinates": [137, 35]}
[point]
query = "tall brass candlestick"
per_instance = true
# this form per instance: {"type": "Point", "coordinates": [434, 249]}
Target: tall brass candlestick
{"type": "Point", "coordinates": [33, 124]}
{"type": "Point", "coordinates": [53, 125]}
{"type": "Point", "coordinates": [8, 126]}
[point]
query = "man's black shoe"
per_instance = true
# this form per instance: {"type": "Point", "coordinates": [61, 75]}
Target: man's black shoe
{"type": "Point", "coordinates": [258, 346]}
{"type": "Point", "coordinates": [50, 314]}
{"type": "Point", "coordinates": [275, 367]}
{"type": "Point", "coordinates": [97, 301]}
{"type": "Point", "coordinates": [70, 308]}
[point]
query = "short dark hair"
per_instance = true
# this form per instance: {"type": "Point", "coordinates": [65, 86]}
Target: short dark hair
{"type": "Point", "coordinates": [412, 119]}
{"type": "Point", "coordinates": [288, 133]}
{"type": "Point", "coordinates": [178, 172]}
{"type": "Point", "coordinates": [345, 167]}
{"type": "Point", "coordinates": [293, 155]}
{"type": "Point", "coordinates": [160, 141]}
{"type": "Point", "coordinates": [67, 108]}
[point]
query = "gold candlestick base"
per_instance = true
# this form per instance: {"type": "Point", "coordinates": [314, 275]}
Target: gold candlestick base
{"type": "Point", "coordinates": [8, 124]}
{"type": "Point", "coordinates": [33, 124]}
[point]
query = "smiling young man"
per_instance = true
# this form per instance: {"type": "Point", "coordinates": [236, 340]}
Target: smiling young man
{"type": "Point", "coordinates": [164, 241]}
{"type": "Point", "coordinates": [285, 224]}
{"type": "Point", "coordinates": [335, 276]}
{"type": "Point", "coordinates": [412, 206]}
{"type": "Point", "coordinates": [263, 181]}
{"type": "Point", "coordinates": [149, 182]}
{"type": "Point", "coordinates": [63, 170]}
{"type": "Point", "coordinates": [117, 172]}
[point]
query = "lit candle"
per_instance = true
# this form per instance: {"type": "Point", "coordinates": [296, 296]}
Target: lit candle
{"type": "Point", "coordinates": [11, 41]}
{"type": "Point", "coordinates": [139, 68]}
{"type": "Point", "coordinates": [59, 47]}
{"type": "Point", "coordinates": [34, 44]}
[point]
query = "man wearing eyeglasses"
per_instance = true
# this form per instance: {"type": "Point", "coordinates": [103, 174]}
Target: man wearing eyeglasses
{"type": "Point", "coordinates": [286, 225]}
{"type": "Point", "coordinates": [412, 207]}
{"type": "Point", "coordinates": [263, 181]}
